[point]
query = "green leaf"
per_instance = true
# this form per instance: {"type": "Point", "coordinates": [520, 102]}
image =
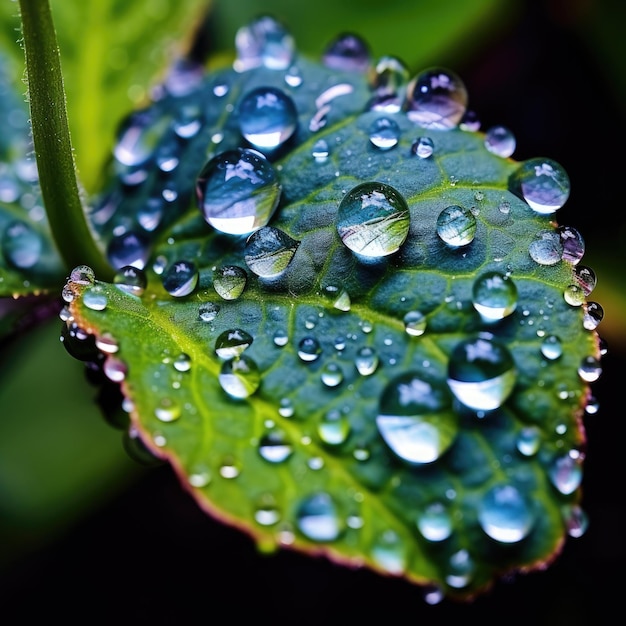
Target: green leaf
{"type": "Point", "coordinates": [350, 404]}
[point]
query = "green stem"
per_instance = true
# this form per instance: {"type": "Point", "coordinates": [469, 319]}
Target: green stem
{"type": "Point", "coordinates": [53, 148]}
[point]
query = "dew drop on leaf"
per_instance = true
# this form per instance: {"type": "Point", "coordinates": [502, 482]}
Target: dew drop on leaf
{"type": "Point", "coordinates": [208, 311]}
{"type": "Point", "coordinates": [456, 226]}
{"type": "Point", "coordinates": [500, 141]}
{"type": "Point", "coordinates": [309, 349]}
{"type": "Point", "coordinates": [389, 79]}
{"type": "Point", "coordinates": [182, 363]}
{"type": "Point", "coordinates": [229, 281]}
{"type": "Point", "coordinates": [590, 369]}
{"type": "Point", "coordinates": [586, 278]}
{"type": "Point", "coordinates": [593, 315]}
{"type": "Point", "coordinates": [366, 361]}
{"type": "Point", "coordinates": [348, 52]}
{"type": "Point", "coordinates": [332, 374]}
{"type": "Point", "coordinates": [481, 373]}
{"type": "Point", "coordinates": [460, 569]}
{"type": "Point", "coordinates": [82, 275]}
{"type": "Point", "coordinates": [274, 447]}
{"type": "Point", "coordinates": [574, 295]}
{"type": "Point", "coordinates": [240, 377]}
{"type": "Point", "coordinates": [180, 279]}
{"type": "Point", "coordinates": [263, 42]}
{"type": "Point", "coordinates": [384, 133]}
{"type": "Point", "coordinates": [269, 251]}
{"type": "Point", "coordinates": [167, 410]}
{"type": "Point", "coordinates": [21, 245]}
{"type": "Point", "coordinates": [551, 347]}
{"type": "Point", "coordinates": [317, 518]}
{"type": "Point", "coordinates": [389, 552]}
{"type": "Point", "coordinates": [423, 147]}
{"type": "Point", "coordinates": [494, 296]}
{"type": "Point", "coordinates": [546, 248]}
{"type": "Point", "coordinates": [436, 98]}
{"type": "Point", "coordinates": [266, 512]}
{"type": "Point", "coordinates": [95, 298]}
{"type": "Point", "coordinates": [114, 369]}
{"type": "Point", "coordinates": [566, 473]}
{"type": "Point", "coordinates": [505, 515]}
{"type": "Point", "coordinates": [542, 183]}
{"type": "Point", "coordinates": [237, 191]}
{"type": "Point", "coordinates": [106, 343]}
{"type": "Point", "coordinates": [528, 440]}
{"type": "Point", "coordinates": [130, 248]}
{"type": "Point", "coordinates": [415, 323]}
{"type": "Point", "coordinates": [573, 244]}
{"type": "Point", "coordinates": [434, 522]}
{"type": "Point", "coordinates": [333, 428]}
{"type": "Point", "coordinates": [232, 343]}
{"type": "Point", "coordinates": [320, 151]}
{"type": "Point", "coordinates": [131, 280]}
{"type": "Point", "coordinates": [373, 219]}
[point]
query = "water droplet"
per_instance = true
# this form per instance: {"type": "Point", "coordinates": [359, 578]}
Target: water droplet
{"type": "Point", "coordinates": [573, 244]}
{"type": "Point", "coordinates": [366, 361]}
{"type": "Point", "coordinates": [414, 418]}
{"type": "Point", "coordinates": [389, 552]}
{"type": "Point", "coordinates": [281, 338]}
{"type": "Point", "coordinates": [470, 122]}
{"type": "Point", "coordinates": [332, 374]}
{"type": "Point", "coordinates": [460, 569]}
{"type": "Point", "coordinates": [551, 347]}
{"type": "Point", "coordinates": [107, 343]}
{"type": "Point", "coordinates": [293, 77]}
{"type": "Point", "coordinates": [95, 298]}
{"type": "Point", "coordinates": [82, 275]}
{"type": "Point", "coordinates": [263, 42]}
{"type": "Point", "coordinates": [389, 79]}
{"type": "Point", "coordinates": [415, 323]}
{"type": "Point", "coordinates": [180, 279]}
{"type": "Point", "coordinates": [543, 183]}
{"type": "Point", "coordinates": [435, 522]}
{"type": "Point", "coordinates": [238, 191]}
{"type": "Point", "coordinates": [566, 473]}
{"type": "Point", "coordinates": [199, 477]}
{"type": "Point", "coordinates": [229, 469]}
{"type": "Point", "coordinates": [423, 147]}
{"type": "Point", "coordinates": [348, 52]}
{"type": "Point", "coordinates": [576, 521]}
{"type": "Point", "coordinates": [138, 138]}
{"type": "Point", "coordinates": [240, 377]}
{"type": "Point", "coordinates": [114, 369]}
{"type": "Point", "coordinates": [320, 151]}
{"type": "Point", "coordinates": [594, 313]}
{"type": "Point", "coordinates": [384, 133]}
{"type": "Point", "coordinates": [229, 281]}
{"type": "Point", "coordinates": [494, 296]}
{"type": "Point", "coordinates": [436, 98]}
{"type": "Point", "coordinates": [481, 373]}
{"type": "Point", "coordinates": [266, 513]}
{"type": "Point", "coordinates": [182, 363]}
{"type": "Point", "coordinates": [208, 311]}
{"type": "Point", "coordinates": [456, 226]}
{"type": "Point", "coordinates": [373, 219]}
{"type": "Point", "coordinates": [267, 117]}
{"type": "Point", "coordinates": [131, 280]}
{"type": "Point", "coordinates": [309, 349]}
{"type": "Point", "coordinates": [586, 278]}
{"type": "Point", "coordinates": [167, 410]}
{"type": "Point", "coordinates": [546, 248]}
{"type": "Point", "coordinates": [590, 369]}
{"type": "Point", "coordinates": [334, 428]}
{"type": "Point", "coordinates": [339, 297]}
{"type": "Point", "coordinates": [21, 245]}
{"type": "Point", "coordinates": [274, 447]}
{"type": "Point", "coordinates": [317, 518]}
{"type": "Point", "coordinates": [232, 343]}
{"type": "Point", "coordinates": [528, 440]}
{"type": "Point", "coordinates": [269, 251]}
{"type": "Point", "coordinates": [286, 408]}
{"type": "Point", "coordinates": [129, 248]}
{"type": "Point", "coordinates": [500, 141]}
{"type": "Point", "coordinates": [574, 295]}
{"type": "Point", "coordinates": [505, 515]}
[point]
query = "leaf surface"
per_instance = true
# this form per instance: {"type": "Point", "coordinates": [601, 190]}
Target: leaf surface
{"type": "Point", "coordinates": [315, 406]}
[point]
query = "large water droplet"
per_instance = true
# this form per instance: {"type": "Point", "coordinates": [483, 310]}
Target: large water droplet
{"type": "Point", "coordinates": [494, 296]}
{"type": "Point", "coordinates": [238, 191]}
{"type": "Point", "coordinates": [436, 98]}
{"type": "Point", "coordinates": [317, 518]}
{"type": "Point", "coordinates": [21, 245]}
{"type": "Point", "coordinates": [435, 522]}
{"type": "Point", "coordinates": [481, 373]}
{"type": "Point", "coordinates": [334, 428]}
{"type": "Point", "coordinates": [348, 52]}
{"type": "Point", "coordinates": [500, 140]}
{"type": "Point", "coordinates": [505, 514]}
{"type": "Point", "coordinates": [384, 133]}
{"type": "Point", "coordinates": [456, 226]}
{"type": "Point", "coordinates": [414, 418]}
{"type": "Point", "coordinates": [180, 279]}
{"type": "Point", "coordinates": [229, 281]}
{"type": "Point", "coordinates": [373, 219]}
{"type": "Point", "coordinates": [543, 183]}
{"type": "Point", "coordinates": [240, 377]}
{"type": "Point", "coordinates": [263, 42]}
{"type": "Point", "coordinates": [131, 280]}
{"type": "Point", "coordinates": [274, 447]}
{"type": "Point", "coordinates": [574, 295]}
{"type": "Point", "coordinates": [546, 248]}
{"type": "Point", "coordinates": [269, 251]}
{"type": "Point", "coordinates": [267, 117]}
{"type": "Point", "coordinates": [232, 343]}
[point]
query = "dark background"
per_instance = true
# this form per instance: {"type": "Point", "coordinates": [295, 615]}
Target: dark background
{"type": "Point", "coordinates": [151, 556]}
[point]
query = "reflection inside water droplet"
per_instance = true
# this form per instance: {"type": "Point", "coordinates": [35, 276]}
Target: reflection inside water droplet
{"type": "Point", "coordinates": [505, 515]}
{"type": "Point", "coordinates": [240, 377]}
{"type": "Point", "coordinates": [543, 183]}
{"type": "Point", "coordinates": [494, 296]}
{"type": "Point", "coordinates": [456, 226]}
{"type": "Point", "coordinates": [180, 279]}
{"type": "Point", "coordinates": [384, 133]}
{"type": "Point", "coordinates": [317, 518]}
{"type": "Point", "coordinates": [269, 251]}
{"type": "Point", "coordinates": [500, 141]}
{"type": "Point", "coordinates": [229, 281]}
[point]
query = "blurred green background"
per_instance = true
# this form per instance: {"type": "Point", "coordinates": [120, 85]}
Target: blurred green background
{"type": "Point", "coordinates": [79, 518]}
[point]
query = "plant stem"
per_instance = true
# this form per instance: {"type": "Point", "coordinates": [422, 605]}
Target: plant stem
{"type": "Point", "coordinates": [74, 238]}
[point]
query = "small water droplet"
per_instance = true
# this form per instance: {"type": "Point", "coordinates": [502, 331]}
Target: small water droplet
{"type": "Point", "coordinates": [317, 518]}
{"type": "Point", "coordinates": [332, 374]}
{"type": "Point", "coordinates": [574, 295]}
{"type": "Point", "coordinates": [576, 521]}
{"type": "Point", "coordinates": [114, 369]}
{"type": "Point", "coordinates": [229, 469]}
{"type": "Point", "coordinates": [274, 447]}
{"type": "Point", "coordinates": [389, 80]}
{"type": "Point", "coordinates": [208, 311]}
{"type": "Point", "coordinates": [436, 98]}
{"type": "Point", "coordinates": [238, 191]}
{"type": "Point", "coordinates": [131, 280]}
{"type": "Point", "coordinates": [309, 349]}
{"type": "Point", "coordinates": [347, 52]}
{"type": "Point", "coordinates": [281, 338]}
{"type": "Point", "coordinates": [460, 569]}
{"type": "Point", "coordinates": [180, 279]}
{"type": "Point", "coordinates": [320, 151]}
{"type": "Point", "coordinates": [334, 428]}
{"type": "Point", "coordinates": [366, 361]}
{"type": "Point", "coordinates": [481, 373]}
{"type": "Point", "coordinates": [573, 244]}
{"type": "Point", "coordinates": [423, 147]}
{"type": "Point", "coordinates": [594, 314]}
{"type": "Point", "coordinates": [21, 245]}
{"type": "Point", "coordinates": [546, 248]}
{"type": "Point", "coordinates": [339, 297]}
{"type": "Point", "coordinates": [542, 183]}
{"type": "Point", "coordinates": [167, 410]}
{"type": "Point", "coordinates": [293, 77]}
{"type": "Point", "coordinates": [586, 278]}
{"type": "Point", "coordinates": [389, 552]}
{"type": "Point", "coordinates": [182, 363]}
{"type": "Point", "coordinates": [269, 251]}
{"type": "Point", "coordinates": [566, 473]}
{"type": "Point", "coordinates": [232, 343]}
{"type": "Point", "coordinates": [528, 440]}
{"type": "Point", "coordinates": [505, 515]}
{"type": "Point", "coordinates": [551, 347]}
{"type": "Point", "coordinates": [286, 408]}
{"type": "Point", "coordinates": [415, 323]}
{"type": "Point", "coordinates": [95, 298]}
{"type": "Point", "coordinates": [435, 523]}
{"type": "Point", "coordinates": [229, 281]}
{"type": "Point", "coordinates": [263, 42]}
{"type": "Point", "coordinates": [456, 226]}
{"type": "Point", "coordinates": [384, 133]}
{"type": "Point", "coordinates": [590, 369]}
{"type": "Point", "coordinates": [494, 296]}
{"type": "Point", "coordinates": [199, 477]}
{"type": "Point", "coordinates": [500, 141]}
{"type": "Point", "coordinates": [414, 418]}
{"type": "Point", "coordinates": [129, 248]}
{"type": "Point", "coordinates": [267, 512]}
{"type": "Point", "coordinates": [240, 377]}
{"type": "Point", "coordinates": [82, 275]}
{"type": "Point", "coordinates": [373, 219]}
{"type": "Point", "coordinates": [138, 137]}
{"type": "Point", "coordinates": [107, 343]}
{"type": "Point", "coordinates": [267, 117]}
